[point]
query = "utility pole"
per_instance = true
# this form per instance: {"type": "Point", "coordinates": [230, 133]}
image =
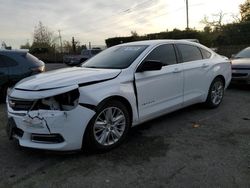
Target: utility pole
{"type": "Point", "coordinates": [60, 38]}
{"type": "Point", "coordinates": [187, 15]}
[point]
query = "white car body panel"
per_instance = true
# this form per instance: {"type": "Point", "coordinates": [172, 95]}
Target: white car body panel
{"type": "Point", "coordinates": [70, 124]}
{"type": "Point", "coordinates": [156, 98]}
{"type": "Point", "coordinates": [149, 94]}
{"type": "Point", "coordinates": [63, 78]}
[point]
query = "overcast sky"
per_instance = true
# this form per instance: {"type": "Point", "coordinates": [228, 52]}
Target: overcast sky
{"type": "Point", "coordinates": [96, 20]}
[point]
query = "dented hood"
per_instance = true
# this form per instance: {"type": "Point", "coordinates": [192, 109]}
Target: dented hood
{"type": "Point", "coordinates": [65, 77]}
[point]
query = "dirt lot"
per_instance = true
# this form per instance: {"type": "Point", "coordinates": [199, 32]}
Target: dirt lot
{"type": "Point", "coordinates": [193, 147]}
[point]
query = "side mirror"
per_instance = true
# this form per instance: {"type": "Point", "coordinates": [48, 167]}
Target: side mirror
{"type": "Point", "coordinates": [233, 56]}
{"type": "Point", "coordinates": [150, 65]}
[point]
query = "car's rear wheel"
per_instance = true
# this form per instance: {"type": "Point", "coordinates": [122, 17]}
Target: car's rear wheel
{"type": "Point", "coordinates": [108, 127]}
{"type": "Point", "coordinates": [216, 93]}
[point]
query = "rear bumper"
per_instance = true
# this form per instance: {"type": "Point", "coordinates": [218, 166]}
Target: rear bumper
{"type": "Point", "coordinates": [240, 76]}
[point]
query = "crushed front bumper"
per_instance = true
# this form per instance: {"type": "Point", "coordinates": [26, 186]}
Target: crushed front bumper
{"type": "Point", "coordinates": [48, 129]}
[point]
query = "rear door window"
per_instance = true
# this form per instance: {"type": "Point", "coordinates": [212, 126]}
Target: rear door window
{"type": "Point", "coordinates": [189, 52]}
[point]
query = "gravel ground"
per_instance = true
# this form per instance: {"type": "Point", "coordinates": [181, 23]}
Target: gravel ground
{"type": "Point", "coordinates": [193, 147]}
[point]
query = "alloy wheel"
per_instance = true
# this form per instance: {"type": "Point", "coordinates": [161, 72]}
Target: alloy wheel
{"type": "Point", "coordinates": [217, 92]}
{"type": "Point", "coordinates": [109, 126]}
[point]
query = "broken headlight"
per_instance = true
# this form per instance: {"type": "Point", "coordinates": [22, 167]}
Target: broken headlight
{"type": "Point", "coordinates": [65, 102]}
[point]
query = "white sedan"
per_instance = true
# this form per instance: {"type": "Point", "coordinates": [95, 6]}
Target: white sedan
{"type": "Point", "coordinates": [95, 105]}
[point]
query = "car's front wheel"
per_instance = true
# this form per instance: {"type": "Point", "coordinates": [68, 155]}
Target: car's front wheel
{"type": "Point", "coordinates": [108, 127]}
{"type": "Point", "coordinates": [216, 93]}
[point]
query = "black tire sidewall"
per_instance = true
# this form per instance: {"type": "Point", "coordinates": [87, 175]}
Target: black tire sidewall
{"type": "Point", "coordinates": [209, 102]}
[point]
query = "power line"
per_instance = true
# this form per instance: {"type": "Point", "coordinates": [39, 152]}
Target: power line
{"type": "Point", "coordinates": [113, 23]}
{"type": "Point", "coordinates": [139, 5]}
{"type": "Point", "coordinates": [144, 4]}
{"type": "Point", "coordinates": [106, 27]}
{"type": "Point", "coordinates": [125, 26]}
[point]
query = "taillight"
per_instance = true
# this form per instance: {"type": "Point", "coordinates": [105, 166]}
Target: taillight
{"type": "Point", "coordinates": [38, 69]}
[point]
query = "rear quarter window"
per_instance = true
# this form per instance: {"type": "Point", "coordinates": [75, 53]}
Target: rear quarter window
{"type": "Point", "coordinates": [205, 54]}
{"type": "Point", "coordinates": [189, 52]}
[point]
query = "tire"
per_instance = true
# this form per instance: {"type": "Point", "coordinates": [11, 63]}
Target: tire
{"type": "Point", "coordinates": [216, 93]}
{"type": "Point", "coordinates": [103, 132]}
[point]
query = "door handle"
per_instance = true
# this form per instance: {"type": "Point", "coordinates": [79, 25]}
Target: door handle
{"type": "Point", "coordinates": [176, 70]}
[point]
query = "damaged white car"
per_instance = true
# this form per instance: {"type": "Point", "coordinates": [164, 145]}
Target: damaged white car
{"type": "Point", "coordinates": [95, 105]}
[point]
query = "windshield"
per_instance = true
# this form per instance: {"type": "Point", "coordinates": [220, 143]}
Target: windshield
{"type": "Point", "coordinates": [117, 57]}
{"type": "Point", "coordinates": [243, 53]}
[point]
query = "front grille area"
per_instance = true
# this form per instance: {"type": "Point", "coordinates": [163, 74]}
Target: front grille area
{"type": "Point", "coordinates": [20, 105]}
{"type": "Point", "coordinates": [239, 75]}
{"type": "Point", "coordinates": [47, 138]}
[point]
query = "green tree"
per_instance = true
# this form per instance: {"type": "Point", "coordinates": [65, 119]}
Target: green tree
{"type": "Point", "coordinates": [207, 29]}
{"type": "Point", "coordinates": [4, 46]}
{"type": "Point", "coordinates": [25, 46]}
{"type": "Point", "coordinates": [216, 22]}
{"type": "Point", "coordinates": [42, 39]}
{"type": "Point", "coordinates": [245, 11]}
{"type": "Point", "coordinates": [42, 34]}
{"type": "Point", "coordinates": [67, 46]}
{"type": "Point", "coordinates": [134, 34]}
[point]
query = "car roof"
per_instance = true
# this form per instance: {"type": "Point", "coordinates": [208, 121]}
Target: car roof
{"type": "Point", "coordinates": [153, 43]}
{"type": "Point", "coordinates": [157, 42]}
{"type": "Point", "coordinates": [20, 52]}
{"type": "Point", "coordinates": [192, 40]}
{"type": "Point", "coordinates": [247, 48]}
